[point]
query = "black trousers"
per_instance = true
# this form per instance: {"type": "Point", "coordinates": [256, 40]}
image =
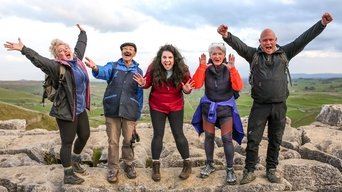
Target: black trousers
{"type": "Point", "coordinates": [176, 123]}
{"type": "Point", "coordinates": [68, 131]}
{"type": "Point", "coordinates": [275, 115]}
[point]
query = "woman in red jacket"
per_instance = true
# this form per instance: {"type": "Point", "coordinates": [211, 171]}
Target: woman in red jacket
{"type": "Point", "coordinates": [169, 78]}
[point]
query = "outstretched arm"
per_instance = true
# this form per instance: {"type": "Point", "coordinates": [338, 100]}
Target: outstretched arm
{"type": "Point", "coordinates": [47, 65]}
{"type": "Point", "coordinates": [81, 43]}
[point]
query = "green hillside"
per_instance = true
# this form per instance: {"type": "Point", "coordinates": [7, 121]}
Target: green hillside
{"type": "Point", "coordinates": [34, 119]}
{"type": "Point", "coordinates": [304, 103]}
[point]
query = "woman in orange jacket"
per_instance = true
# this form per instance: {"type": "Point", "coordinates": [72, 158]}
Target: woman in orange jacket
{"type": "Point", "coordinates": [217, 107]}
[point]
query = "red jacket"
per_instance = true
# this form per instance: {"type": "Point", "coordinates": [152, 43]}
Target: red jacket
{"type": "Point", "coordinates": [165, 98]}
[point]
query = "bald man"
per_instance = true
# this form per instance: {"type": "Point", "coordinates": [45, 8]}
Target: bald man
{"type": "Point", "coordinates": [269, 90]}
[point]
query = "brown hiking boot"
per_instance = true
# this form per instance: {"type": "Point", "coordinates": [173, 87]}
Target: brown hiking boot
{"type": "Point", "coordinates": [186, 171]}
{"type": "Point", "coordinates": [156, 171]}
{"type": "Point", "coordinates": [71, 178]}
{"type": "Point", "coordinates": [112, 176]}
{"type": "Point", "coordinates": [247, 177]}
{"type": "Point", "coordinates": [130, 171]}
{"type": "Point", "coordinates": [273, 176]}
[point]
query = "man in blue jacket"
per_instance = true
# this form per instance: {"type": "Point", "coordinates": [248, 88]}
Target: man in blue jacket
{"type": "Point", "coordinates": [122, 103]}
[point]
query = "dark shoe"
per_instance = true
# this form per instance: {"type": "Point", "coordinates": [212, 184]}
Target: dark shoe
{"type": "Point", "coordinates": [231, 177]}
{"type": "Point", "coordinates": [71, 178]}
{"type": "Point", "coordinates": [130, 171]}
{"type": "Point", "coordinates": [273, 176]}
{"type": "Point", "coordinates": [75, 163]}
{"type": "Point", "coordinates": [112, 176]}
{"type": "Point", "coordinates": [156, 171]}
{"type": "Point", "coordinates": [209, 168]}
{"type": "Point", "coordinates": [247, 177]}
{"type": "Point", "coordinates": [186, 171]}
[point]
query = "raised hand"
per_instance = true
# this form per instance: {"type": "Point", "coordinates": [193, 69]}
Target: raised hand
{"type": "Point", "coordinates": [79, 27]}
{"type": "Point", "coordinates": [203, 59]}
{"type": "Point", "coordinates": [14, 46]}
{"type": "Point", "coordinates": [139, 79]}
{"type": "Point", "coordinates": [188, 86]}
{"type": "Point", "coordinates": [231, 61]}
{"type": "Point", "coordinates": [223, 30]}
{"type": "Point", "coordinates": [326, 19]}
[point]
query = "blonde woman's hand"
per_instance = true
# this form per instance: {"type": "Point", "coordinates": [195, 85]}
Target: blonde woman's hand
{"type": "Point", "coordinates": [14, 46]}
{"type": "Point", "coordinates": [79, 27]}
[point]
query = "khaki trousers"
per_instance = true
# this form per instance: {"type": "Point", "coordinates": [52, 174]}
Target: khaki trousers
{"type": "Point", "coordinates": [114, 127]}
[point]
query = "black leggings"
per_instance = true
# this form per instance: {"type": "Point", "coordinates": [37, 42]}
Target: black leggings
{"type": "Point", "coordinates": [68, 131]}
{"type": "Point", "coordinates": [226, 126]}
{"type": "Point", "coordinates": [176, 124]}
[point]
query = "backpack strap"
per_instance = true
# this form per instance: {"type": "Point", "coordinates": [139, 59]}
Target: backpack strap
{"type": "Point", "coordinates": [284, 58]}
{"type": "Point", "coordinates": [61, 73]}
{"type": "Point", "coordinates": [255, 60]}
{"type": "Point", "coordinates": [253, 64]}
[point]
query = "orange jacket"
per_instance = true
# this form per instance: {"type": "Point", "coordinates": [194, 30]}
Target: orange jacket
{"type": "Point", "coordinates": [199, 77]}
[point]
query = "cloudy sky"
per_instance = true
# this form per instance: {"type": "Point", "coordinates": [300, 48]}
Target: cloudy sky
{"type": "Point", "coordinates": [190, 25]}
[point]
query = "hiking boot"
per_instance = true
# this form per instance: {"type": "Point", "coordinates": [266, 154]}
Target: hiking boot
{"type": "Point", "coordinates": [231, 177]}
{"type": "Point", "coordinates": [156, 171]}
{"type": "Point", "coordinates": [186, 171]}
{"type": "Point", "coordinates": [112, 176]}
{"type": "Point", "coordinates": [75, 163]}
{"type": "Point", "coordinates": [71, 178]}
{"type": "Point", "coordinates": [209, 168]}
{"type": "Point", "coordinates": [130, 171]}
{"type": "Point", "coordinates": [247, 177]}
{"type": "Point", "coordinates": [273, 176]}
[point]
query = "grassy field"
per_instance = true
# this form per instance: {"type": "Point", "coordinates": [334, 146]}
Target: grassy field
{"type": "Point", "coordinates": [304, 103]}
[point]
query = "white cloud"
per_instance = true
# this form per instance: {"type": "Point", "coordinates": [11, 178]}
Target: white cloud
{"type": "Point", "coordinates": [189, 25]}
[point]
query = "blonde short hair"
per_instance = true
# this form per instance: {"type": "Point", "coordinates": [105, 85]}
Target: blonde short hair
{"type": "Point", "coordinates": [217, 45]}
{"type": "Point", "coordinates": [54, 44]}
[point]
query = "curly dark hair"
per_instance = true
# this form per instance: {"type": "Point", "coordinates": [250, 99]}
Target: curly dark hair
{"type": "Point", "coordinates": [179, 69]}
